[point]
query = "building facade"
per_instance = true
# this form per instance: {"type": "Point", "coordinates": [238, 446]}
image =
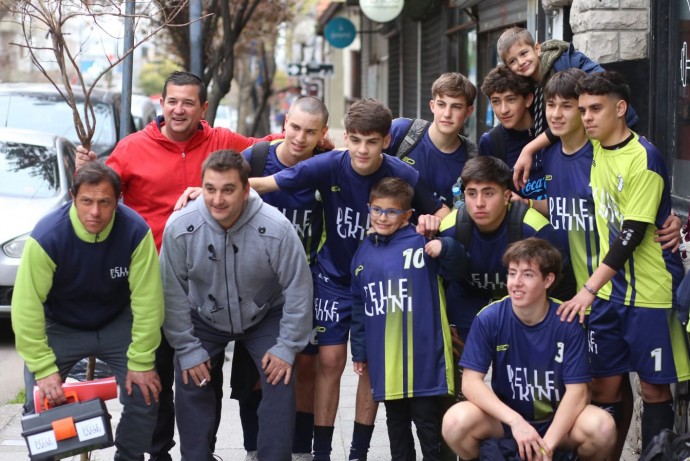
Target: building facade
{"type": "Point", "coordinates": [396, 62]}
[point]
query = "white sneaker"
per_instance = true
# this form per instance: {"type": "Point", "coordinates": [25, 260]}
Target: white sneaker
{"type": "Point", "coordinates": [251, 456]}
{"type": "Point", "coordinates": [302, 457]}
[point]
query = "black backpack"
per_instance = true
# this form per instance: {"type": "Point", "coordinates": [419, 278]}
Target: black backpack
{"type": "Point", "coordinates": [258, 161]}
{"type": "Point", "coordinates": [464, 226]}
{"type": "Point", "coordinates": [415, 133]}
{"type": "Point", "coordinates": [498, 142]}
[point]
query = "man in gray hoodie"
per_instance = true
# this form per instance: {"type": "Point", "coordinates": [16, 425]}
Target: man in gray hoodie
{"type": "Point", "coordinates": [234, 269]}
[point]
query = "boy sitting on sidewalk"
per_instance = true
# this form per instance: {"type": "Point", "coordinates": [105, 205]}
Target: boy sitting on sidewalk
{"type": "Point", "coordinates": [399, 328]}
{"type": "Point", "coordinates": [538, 393]}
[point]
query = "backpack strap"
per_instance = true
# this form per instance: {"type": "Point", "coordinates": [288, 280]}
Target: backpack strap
{"type": "Point", "coordinates": [464, 227]}
{"type": "Point", "coordinates": [472, 150]}
{"type": "Point", "coordinates": [516, 216]}
{"type": "Point", "coordinates": [498, 142]}
{"type": "Point", "coordinates": [258, 159]}
{"type": "Point", "coordinates": [412, 137]}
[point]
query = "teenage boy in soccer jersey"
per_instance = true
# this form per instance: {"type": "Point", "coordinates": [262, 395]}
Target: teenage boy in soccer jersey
{"type": "Point", "coordinates": [305, 126]}
{"type": "Point", "coordinates": [632, 326]}
{"type": "Point", "coordinates": [570, 205]}
{"type": "Point", "coordinates": [344, 179]}
{"type": "Point", "coordinates": [400, 333]}
{"type": "Point", "coordinates": [441, 151]}
{"type": "Point", "coordinates": [486, 183]}
{"type": "Point", "coordinates": [511, 97]}
{"type": "Point", "coordinates": [539, 370]}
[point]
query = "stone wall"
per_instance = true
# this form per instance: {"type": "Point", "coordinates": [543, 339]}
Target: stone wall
{"type": "Point", "coordinates": [611, 30]}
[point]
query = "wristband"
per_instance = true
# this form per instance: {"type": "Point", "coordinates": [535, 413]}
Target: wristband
{"type": "Point", "coordinates": [531, 203]}
{"type": "Point", "coordinates": [593, 292]}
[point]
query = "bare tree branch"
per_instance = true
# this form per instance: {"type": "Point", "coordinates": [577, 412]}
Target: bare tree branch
{"type": "Point", "coordinates": [50, 17]}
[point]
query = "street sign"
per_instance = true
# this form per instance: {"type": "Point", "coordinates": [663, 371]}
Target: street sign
{"type": "Point", "coordinates": [340, 32]}
{"type": "Point", "coordinates": [294, 69]}
{"type": "Point", "coordinates": [314, 68]}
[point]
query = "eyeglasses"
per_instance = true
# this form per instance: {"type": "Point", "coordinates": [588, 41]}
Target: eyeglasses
{"type": "Point", "coordinates": [391, 213]}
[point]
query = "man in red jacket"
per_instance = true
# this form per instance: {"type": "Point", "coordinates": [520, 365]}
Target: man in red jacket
{"type": "Point", "coordinates": [156, 165]}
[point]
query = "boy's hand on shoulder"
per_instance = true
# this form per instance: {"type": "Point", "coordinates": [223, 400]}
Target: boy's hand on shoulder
{"type": "Point", "coordinates": [522, 168]}
{"type": "Point", "coordinates": [433, 248]}
{"type": "Point", "coordinates": [189, 193]}
{"type": "Point", "coordinates": [576, 306]}
{"type": "Point", "coordinates": [359, 367]}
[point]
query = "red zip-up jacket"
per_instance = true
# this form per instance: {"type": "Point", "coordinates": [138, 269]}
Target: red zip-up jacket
{"type": "Point", "coordinates": [155, 170]}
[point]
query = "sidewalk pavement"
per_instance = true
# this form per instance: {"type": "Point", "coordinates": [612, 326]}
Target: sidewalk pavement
{"type": "Point", "coordinates": [229, 444]}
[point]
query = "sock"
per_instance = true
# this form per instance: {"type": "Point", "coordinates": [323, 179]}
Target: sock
{"type": "Point", "coordinates": [249, 408]}
{"type": "Point", "coordinates": [361, 439]}
{"type": "Point", "coordinates": [323, 438]}
{"type": "Point", "coordinates": [655, 417]}
{"type": "Point", "coordinates": [614, 409]}
{"type": "Point", "coordinates": [304, 430]}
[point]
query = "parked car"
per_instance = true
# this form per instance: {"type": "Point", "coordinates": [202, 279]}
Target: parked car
{"type": "Point", "coordinates": [39, 106]}
{"type": "Point", "coordinates": [36, 171]}
{"type": "Point", "coordinates": [143, 111]}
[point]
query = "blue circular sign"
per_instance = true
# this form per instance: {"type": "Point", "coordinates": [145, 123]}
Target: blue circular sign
{"type": "Point", "coordinates": [340, 32]}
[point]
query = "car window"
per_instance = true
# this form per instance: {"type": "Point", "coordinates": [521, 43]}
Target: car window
{"type": "Point", "coordinates": [28, 171]}
{"type": "Point", "coordinates": [50, 113]}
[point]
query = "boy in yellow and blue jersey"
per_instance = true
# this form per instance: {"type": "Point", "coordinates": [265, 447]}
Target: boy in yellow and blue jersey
{"type": "Point", "coordinates": [400, 332]}
{"type": "Point", "coordinates": [632, 326]}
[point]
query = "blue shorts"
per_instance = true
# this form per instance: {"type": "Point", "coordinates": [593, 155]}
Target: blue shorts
{"type": "Point", "coordinates": [333, 309]}
{"type": "Point", "coordinates": [649, 341]}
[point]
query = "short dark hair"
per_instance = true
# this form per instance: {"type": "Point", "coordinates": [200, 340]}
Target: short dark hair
{"type": "Point", "coordinates": [224, 160]}
{"type": "Point", "coordinates": [393, 188]}
{"type": "Point", "coordinates": [95, 173]}
{"type": "Point", "coordinates": [311, 105]}
{"type": "Point", "coordinates": [536, 250]}
{"type": "Point", "coordinates": [486, 168]}
{"type": "Point", "coordinates": [564, 84]}
{"type": "Point", "coordinates": [181, 78]}
{"type": "Point", "coordinates": [455, 85]}
{"type": "Point", "coordinates": [510, 37]}
{"type": "Point", "coordinates": [604, 83]}
{"type": "Point", "coordinates": [368, 116]}
{"type": "Point", "coordinates": [502, 79]}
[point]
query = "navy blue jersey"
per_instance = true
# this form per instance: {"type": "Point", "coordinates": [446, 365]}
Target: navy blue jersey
{"type": "Point", "coordinates": [515, 141]}
{"type": "Point", "coordinates": [345, 195]}
{"type": "Point", "coordinates": [437, 169]}
{"type": "Point", "coordinates": [530, 365]}
{"type": "Point", "coordinates": [571, 206]}
{"type": "Point", "coordinates": [486, 275]}
{"type": "Point", "coordinates": [399, 324]}
{"type": "Point", "coordinates": [302, 207]}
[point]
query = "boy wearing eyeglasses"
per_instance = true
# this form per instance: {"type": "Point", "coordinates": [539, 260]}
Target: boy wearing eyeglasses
{"type": "Point", "coordinates": [399, 330]}
{"type": "Point", "coordinates": [344, 180]}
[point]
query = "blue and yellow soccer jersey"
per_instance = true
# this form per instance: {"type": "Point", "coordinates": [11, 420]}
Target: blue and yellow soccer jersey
{"type": "Point", "coordinates": [631, 183]}
{"type": "Point", "coordinates": [345, 194]}
{"type": "Point", "coordinates": [486, 275]}
{"type": "Point", "coordinates": [399, 324]}
{"type": "Point", "coordinates": [571, 207]}
{"type": "Point", "coordinates": [302, 207]}
{"type": "Point", "coordinates": [438, 170]}
{"type": "Point", "coordinates": [530, 365]}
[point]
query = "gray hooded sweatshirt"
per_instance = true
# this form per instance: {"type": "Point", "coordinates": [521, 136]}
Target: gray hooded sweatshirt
{"type": "Point", "coordinates": [233, 277]}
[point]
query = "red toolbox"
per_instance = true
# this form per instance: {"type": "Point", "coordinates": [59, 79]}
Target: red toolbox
{"type": "Point", "coordinates": [67, 430]}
